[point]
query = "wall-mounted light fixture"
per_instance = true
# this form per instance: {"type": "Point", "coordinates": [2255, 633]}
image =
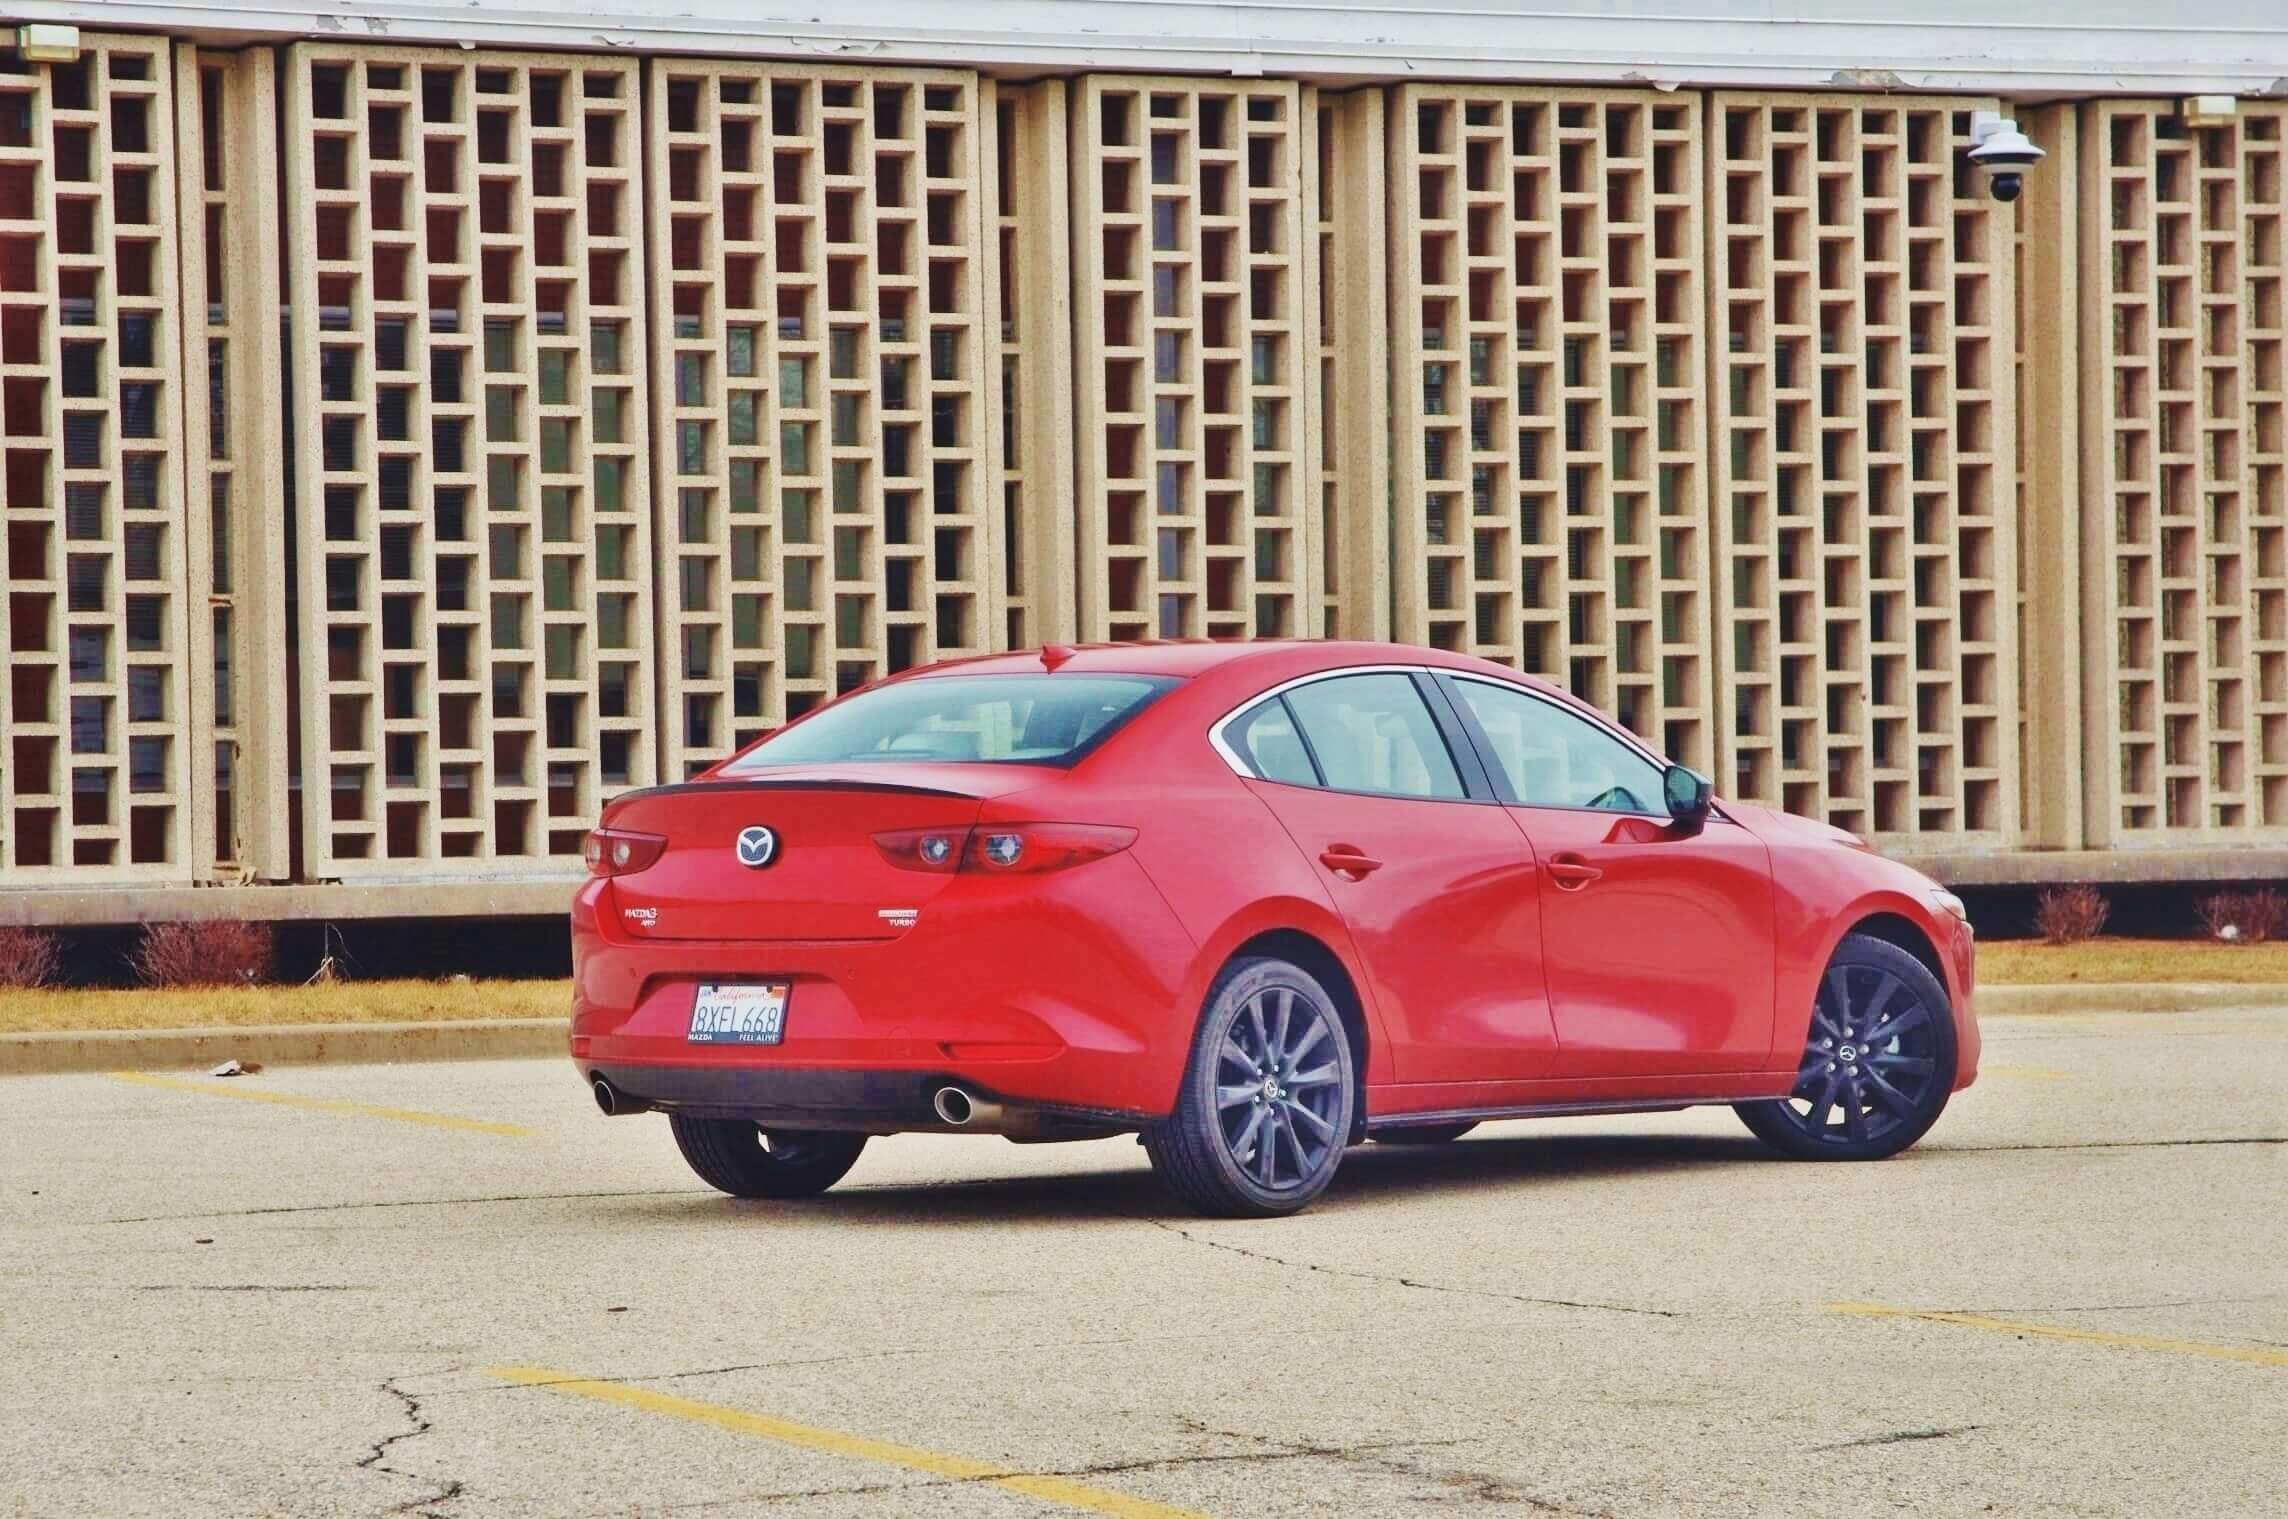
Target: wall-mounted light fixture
{"type": "Point", "coordinates": [47, 43]}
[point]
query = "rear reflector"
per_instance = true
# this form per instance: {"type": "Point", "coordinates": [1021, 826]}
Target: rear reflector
{"type": "Point", "coordinates": [1002, 848]}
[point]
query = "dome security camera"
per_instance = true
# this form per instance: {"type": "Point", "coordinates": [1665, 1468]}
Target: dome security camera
{"type": "Point", "coordinates": [2004, 152]}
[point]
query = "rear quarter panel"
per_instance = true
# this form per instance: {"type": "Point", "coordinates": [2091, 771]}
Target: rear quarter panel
{"type": "Point", "coordinates": [1217, 855]}
{"type": "Point", "coordinates": [1228, 872]}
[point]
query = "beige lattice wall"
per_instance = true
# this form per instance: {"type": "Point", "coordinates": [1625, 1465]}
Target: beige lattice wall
{"type": "Point", "coordinates": [1548, 419]}
{"type": "Point", "coordinates": [1867, 555]}
{"type": "Point", "coordinates": [100, 752]}
{"type": "Point", "coordinates": [624, 409]}
{"type": "Point", "coordinates": [471, 461]}
{"type": "Point", "coordinates": [827, 450]}
{"type": "Point", "coordinates": [2185, 475]}
{"type": "Point", "coordinates": [1196, 359]}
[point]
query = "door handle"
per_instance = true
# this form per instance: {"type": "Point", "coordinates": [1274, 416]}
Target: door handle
{"type": "Point", "coordinates": [1571, 872]}
{"type": "Point", "coordinates": [1346, 860]}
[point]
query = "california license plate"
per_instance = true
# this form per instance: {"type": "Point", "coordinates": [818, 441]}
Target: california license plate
{"type": "Point", "coordinates": [750, 1014]}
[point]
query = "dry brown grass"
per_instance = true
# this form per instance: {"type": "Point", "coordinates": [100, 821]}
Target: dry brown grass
{"type": "Point", "coordinates": [2114, 962]}
{"type": "Point", "coordinates": [2000, 963]}
{"type": "Point", "coordinates": [240, 1006]}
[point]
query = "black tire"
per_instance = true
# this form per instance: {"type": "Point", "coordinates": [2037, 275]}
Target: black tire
{"type": "Point", "coordinates": [743, 1160]}
{"type": "Point", "coordinates": [1865, 1098]}
{"type": "Point", "coordinates": [1423, 1134]}
{"type": "Point", "coordinates": [1266, 1023]}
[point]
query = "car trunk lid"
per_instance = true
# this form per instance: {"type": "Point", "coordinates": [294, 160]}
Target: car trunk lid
{"type": "Point", "coordinates": [822, 876]}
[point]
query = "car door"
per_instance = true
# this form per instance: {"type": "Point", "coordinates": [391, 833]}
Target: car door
{"type": "Point", "coordinates": [1656, 938]}
{"type": "Point", "coordinates": [1440, 900]}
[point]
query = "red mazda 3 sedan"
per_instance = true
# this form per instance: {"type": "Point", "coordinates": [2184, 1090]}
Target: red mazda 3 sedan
{"type": "Point", "coordinates": [1254, 901]}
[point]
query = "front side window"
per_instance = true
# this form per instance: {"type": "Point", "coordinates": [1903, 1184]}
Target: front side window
{"type": "Point", "coordinates": [1008, 719]}
{"type": "Point", "coordinates": [1373, 733]}
{"type": "Point", "coordinates": [1556, 758]}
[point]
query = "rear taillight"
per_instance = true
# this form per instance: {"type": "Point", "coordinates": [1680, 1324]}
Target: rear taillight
{"type": "Point", "coordinates": [1002, 848]}
{"type": "Point", "coordinates": [618, 852]}
{"type": "Point", "coordinates": [936, 849]}
{"type": "Point", "coordinates": [1021, 848]}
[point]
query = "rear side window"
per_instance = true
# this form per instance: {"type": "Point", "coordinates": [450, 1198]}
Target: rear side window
{"type": "Point", "coordinates": [1265, 740]}
{"type": "Point", "coordinates": [994, 719]}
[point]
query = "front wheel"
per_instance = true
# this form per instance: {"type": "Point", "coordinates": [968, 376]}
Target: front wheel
{"type": "Point", "coordinates": [747, 1160]}
{"type": "Point", "coordinates": [1266, 1102]}
{"type": "Point", "coordinates": [1878, 1065]}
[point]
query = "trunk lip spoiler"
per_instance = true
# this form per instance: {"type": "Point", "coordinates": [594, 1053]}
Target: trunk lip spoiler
{"type": "Point", "coordinates": [789, 783]}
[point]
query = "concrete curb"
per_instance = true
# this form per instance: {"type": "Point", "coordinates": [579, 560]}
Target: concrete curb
{"type": "Point", "coordinates": [2126, 997]}
{"type": "Point", "coordinates": [526, 1038]}
{"type": "Point", "coordinates": [280, 1044]}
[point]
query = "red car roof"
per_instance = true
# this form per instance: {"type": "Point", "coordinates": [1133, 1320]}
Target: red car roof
{"type": "Point", "coordinates": [1189, 658]}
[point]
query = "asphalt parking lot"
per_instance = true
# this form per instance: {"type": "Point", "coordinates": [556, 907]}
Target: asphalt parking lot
{"type": "Point", "coordinates": [456, 1290]}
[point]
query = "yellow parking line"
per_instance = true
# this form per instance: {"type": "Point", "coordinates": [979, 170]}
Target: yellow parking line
{"type": "Point", "coordinates": [2257, 1354]}
{"type": "Point", "coordinates": [211, 1088]}
{"type": "Point", "coordinates": [1058, 1490]}
{"type": "Point", "coordinates": [2023, 1073]}
{"type": "Point", "coordinates": [2237, 1030]}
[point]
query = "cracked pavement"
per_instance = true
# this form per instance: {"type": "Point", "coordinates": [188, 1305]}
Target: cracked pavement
{"type": "Point", "coordinates": [227, 1308]}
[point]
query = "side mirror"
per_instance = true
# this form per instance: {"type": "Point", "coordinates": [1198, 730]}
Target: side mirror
{"type": "Point", "coordinates": [1690, 795]}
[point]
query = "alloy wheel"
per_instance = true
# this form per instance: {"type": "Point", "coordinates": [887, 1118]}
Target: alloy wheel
{"type": "Point", "coordinates": [1279, 1089]}
{"type": "Point", "coordinates": [1871, 1065]}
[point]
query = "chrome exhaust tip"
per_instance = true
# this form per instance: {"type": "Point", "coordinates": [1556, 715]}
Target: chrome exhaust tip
{"type": "Point", "coordinates": [959, 1108]}
{"type": "Point", "coordinates": [613, 1103]}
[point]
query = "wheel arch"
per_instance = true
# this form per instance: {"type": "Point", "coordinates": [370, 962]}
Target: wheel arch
{"type": "Point", "coordinates": [1897, 928]}
{"type": "Point", "coordinates": [1326, 967]}
{"type": "Point", "coordinates": [1885, 914]}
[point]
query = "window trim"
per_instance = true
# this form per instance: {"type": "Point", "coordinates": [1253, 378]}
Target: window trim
{"type": "Point", "coordinates": [1468, 765]}
{"type": "Point", "coordinates": [1500, 777]}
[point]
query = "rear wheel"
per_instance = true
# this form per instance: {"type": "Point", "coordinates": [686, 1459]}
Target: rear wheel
{"type": "Point", "coordinates": [746, 1160]}
{"type": "Point", "coordinates": [1423, 1134]}
{"type": "Point", "coordinates": [1878, 1066]}
{"type": "Point", "coordinates": [1265, 1107]}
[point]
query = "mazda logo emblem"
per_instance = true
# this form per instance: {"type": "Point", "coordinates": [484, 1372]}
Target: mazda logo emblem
{"type": "Point", "coordinates": [758, 846]}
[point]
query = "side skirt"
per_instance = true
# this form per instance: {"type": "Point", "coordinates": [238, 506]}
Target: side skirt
{"type": "Point", "coordinates": [1444, 1116]}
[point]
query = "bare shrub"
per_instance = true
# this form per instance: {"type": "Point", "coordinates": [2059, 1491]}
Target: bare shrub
{"type": "Point", "coordinates": [224, 952]}
{"type": "Point", "coordinates": [2070, 914]}
{"type": "Point", "coordinates": [2267, 915]}
{"type": "Point", "coordinates": [2251, 917]}
{"type": "Point", "coordinates": [29, 957]}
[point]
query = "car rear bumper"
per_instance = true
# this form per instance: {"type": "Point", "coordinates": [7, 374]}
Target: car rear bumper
{"type": "Point", "coordinates": [869, 1101]}
{"type": "Point", "coordinates": [1059, 993]}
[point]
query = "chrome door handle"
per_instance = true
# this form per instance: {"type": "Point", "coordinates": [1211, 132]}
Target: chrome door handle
{"type": "Point", "coordinates": [1571, 872]}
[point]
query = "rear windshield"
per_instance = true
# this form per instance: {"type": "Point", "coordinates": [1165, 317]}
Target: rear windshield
{"type": "Point", "coordinates": [995, 719]}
